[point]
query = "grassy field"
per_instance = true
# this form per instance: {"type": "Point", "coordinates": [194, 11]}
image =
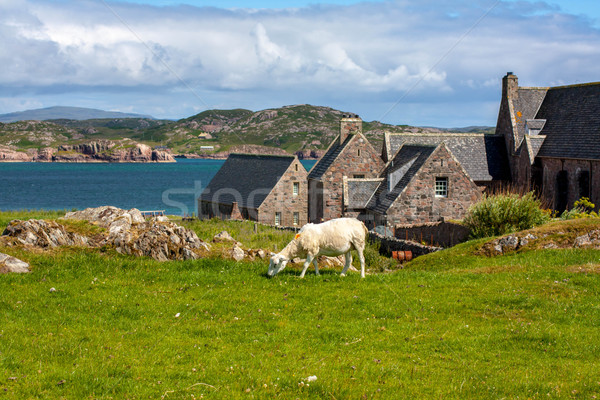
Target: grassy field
{"type": "Point", "coordinates": [451, 325]}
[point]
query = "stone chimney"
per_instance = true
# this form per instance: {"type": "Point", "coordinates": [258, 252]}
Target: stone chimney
{"type": "Point", "coordinates": [510, 86]}
{"type": "Point", "coordinates": [350, 124]}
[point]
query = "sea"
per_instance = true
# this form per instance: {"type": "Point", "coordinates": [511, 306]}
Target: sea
{"type": "Point", "coordinates": [169, 187]}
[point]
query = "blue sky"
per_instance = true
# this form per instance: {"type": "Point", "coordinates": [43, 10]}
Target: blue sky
{"type": "Point", "coordinates": [427, 63]}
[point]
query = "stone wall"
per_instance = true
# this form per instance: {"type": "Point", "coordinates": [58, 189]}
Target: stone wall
{"type": "Point", "coordinates": [418, 203]}
{"type": "Point", "coordinates": [357, 158]}
{"type": "Point", "coordinates": [283, 200]}
{"type": "Point", "coordinates": [573, 168]}
{"type": "Point", "coordinates": [389, 244]}
{"type": "Point", "coordinates": [441, 234]}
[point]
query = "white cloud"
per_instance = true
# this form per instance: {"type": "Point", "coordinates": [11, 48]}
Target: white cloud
{"type": "Point", "coordinates": [327, 55]}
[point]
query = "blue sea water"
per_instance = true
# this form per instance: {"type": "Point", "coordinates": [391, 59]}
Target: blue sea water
{"type": "Point", "coordinates": [173, 187]}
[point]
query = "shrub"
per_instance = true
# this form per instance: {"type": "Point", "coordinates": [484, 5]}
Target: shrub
{"type": "Point", "coordinates": [504, 213]}
{"type": "Point", "coordinates": [374, 260]}
{"type": "Point", "coordinates": [583, 208]}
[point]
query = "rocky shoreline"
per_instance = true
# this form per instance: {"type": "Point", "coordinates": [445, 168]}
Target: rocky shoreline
{"type": "Point", "coordinates": [100, 151]}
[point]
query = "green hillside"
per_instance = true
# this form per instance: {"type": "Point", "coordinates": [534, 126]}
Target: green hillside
{"type": "Point", "coordinates": [292, 128]}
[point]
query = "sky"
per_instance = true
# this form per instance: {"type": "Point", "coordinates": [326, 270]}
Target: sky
{"type": "Point", "coordinates": [420, 62]}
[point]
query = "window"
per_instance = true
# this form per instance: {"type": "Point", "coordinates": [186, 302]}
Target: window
{"type": "Point", "coordinates": [296, 167]}
{"type": "Point", "coordinates": [441, 187]}
{"type": "Point", "coordinates": [358, 152]}
{"type": "Point", "coordinates": [296, 188]}
{"type": "Point", "coordinates": [277, 218]}
{"type": "Point", "coordinates": [296, 218]}
{"type": "Point", "coordinates": [358, 176]}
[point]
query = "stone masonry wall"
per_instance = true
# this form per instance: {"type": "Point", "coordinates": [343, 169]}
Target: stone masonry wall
{"type": "Point", "coordinates": [552, 166]}
{"type": "Point", "coordinates": [418, 202]}
{"type": "Point", "coordinates": [349, 126]}
{"type": "Point", "coordinates": [282, 199]}
{"type": "Point", "coordinates": [357, 158]}
{"type": "Point", "coordinates": [444, 234]}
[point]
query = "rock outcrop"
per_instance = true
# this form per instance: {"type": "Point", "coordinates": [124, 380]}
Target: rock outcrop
{"type": "Point", "coordinates": [111, 151]}
{"type": "Point", "coordinates": [10, 154]}
{"type": "Point", "coordinates": [130, 233]}
{"type": "Point", "coordinates": [9, 264]}
{"type": "Point", "coordinates": [124, 150]}
{"type": "Point", "coordinates": [126, 230]}
{"type": "Point", "coordinates": [43, 234]}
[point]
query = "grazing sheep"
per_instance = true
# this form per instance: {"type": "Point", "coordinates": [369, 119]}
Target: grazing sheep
{"type": "Point", "coordinates": [331, 238]}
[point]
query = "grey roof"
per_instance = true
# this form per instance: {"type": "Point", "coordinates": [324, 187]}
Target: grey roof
{"type": "Point", "coordinates": [482, 156]}
{"type": "Point", "coordinates": [572, 128]}
{"type": "Point", "coordinates": [328, 158]}
{"type": "Point", "coordinates": [359, 191]}
{"type": "Point", "coordinates": [247, 179]}
{"type": "Point", "coordinates": [406, 163]}
{"type": "Point", "coordinates": [526, 107]}
{"type": "Point", "coordinates": [535, 143]}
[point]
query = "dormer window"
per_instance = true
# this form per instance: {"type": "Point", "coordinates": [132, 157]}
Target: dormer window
{"type": "Point", "coordinates": [533, 127]}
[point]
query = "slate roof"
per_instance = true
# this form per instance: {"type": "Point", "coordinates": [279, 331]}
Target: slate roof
{"type": "Point", "coordinates": [572, 128]}
{"type": "Point", "coordinates": [247, 179]}
{"type": "Point", "coordinates": [525, 108]}
{"type": "Point", "coordinates": [482, 156]}
{"type": "Point", "coordinates": [328, 158]}
{"type": "Point", "coordinates": [535, 143]}
{"type": "Point", "coordinates": [359, 192]}
{"type": "Point", "coordinates": [408, 160]}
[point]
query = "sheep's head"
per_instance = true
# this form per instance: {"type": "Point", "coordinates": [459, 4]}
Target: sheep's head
{"type": "Point", "coordinates": [277, 264]}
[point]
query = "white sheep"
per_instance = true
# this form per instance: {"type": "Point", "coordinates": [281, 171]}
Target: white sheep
{"type": "Point", "coordinates": [331, 238]}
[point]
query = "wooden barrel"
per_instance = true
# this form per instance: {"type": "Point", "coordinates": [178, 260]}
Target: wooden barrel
{"type": "Point", "coordinates": [402, 255]}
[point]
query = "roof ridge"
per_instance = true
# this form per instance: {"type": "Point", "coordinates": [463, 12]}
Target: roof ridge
{"type": "Point", "coordinates": [453, 134]}
{"type": "Point", "coordinates": [262, 155]}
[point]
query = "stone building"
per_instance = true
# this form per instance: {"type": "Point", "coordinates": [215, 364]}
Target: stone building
{"type": "Point", "coordinates": [421, 183]}
{"type": "Point", "coordinates": [264, 188]}
{"type": "Point", "coordinates": [547, 138]}
{"type": "Point", "coordinates": [552, 136]}
{"type": "Point", "coordinates": [350, 155]}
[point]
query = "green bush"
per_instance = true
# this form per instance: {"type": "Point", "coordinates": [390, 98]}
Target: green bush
{"type": "Point", "coordinates": [504, 213]}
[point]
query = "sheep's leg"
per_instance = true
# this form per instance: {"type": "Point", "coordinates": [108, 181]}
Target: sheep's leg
{"type": "Point", "coordinates": [361, 257]}
{"type": "Point", "coordinates": [316, 262]}
{"type": "Point", "coordinates": [348, 257]}
{"type": "Point", "coordinates": [309, 259]}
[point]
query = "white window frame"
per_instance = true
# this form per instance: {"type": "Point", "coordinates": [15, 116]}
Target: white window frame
{"type": "Point", "coordinates": [296, 188]}
{"type": "Point", "coordinates": [296, 218]}
{"type": "Point", "coordinates": [441, 186]}
{"type": "Point", "coordinates": [277, 218]}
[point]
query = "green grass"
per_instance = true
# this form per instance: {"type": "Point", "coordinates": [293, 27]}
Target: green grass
{"type": "Point", "coordinates": [449, 325]}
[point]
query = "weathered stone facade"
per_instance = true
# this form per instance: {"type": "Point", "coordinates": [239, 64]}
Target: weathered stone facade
{"type": "Point", "coordinates": [418, 202]}
{"type": "Point", "coordinates": [566, 181]}
{"type": "Point", "coordinates": [353, 157]}
{"type": "Point", "coordinates": [258, 187]}
{"type": "Point", "coordinates": [287, 200]}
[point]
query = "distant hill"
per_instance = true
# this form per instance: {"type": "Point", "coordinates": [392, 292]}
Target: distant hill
{"type": "Point", "coordinates": [296, 128]}
{"type": "Point", "coordinates": [60, 112]}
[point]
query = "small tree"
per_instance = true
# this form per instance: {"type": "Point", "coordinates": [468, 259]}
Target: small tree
{"type": "Point", "coordinates": [503, 213]}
